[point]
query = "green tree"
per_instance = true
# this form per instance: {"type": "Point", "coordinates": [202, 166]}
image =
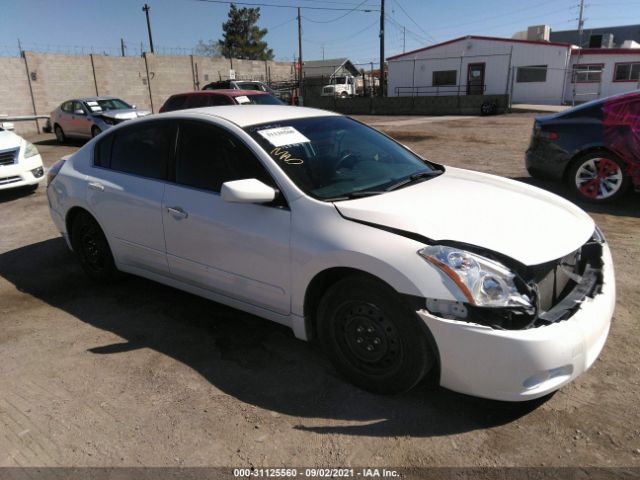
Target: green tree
{"type": "Point", "coordinates": [242, 38]}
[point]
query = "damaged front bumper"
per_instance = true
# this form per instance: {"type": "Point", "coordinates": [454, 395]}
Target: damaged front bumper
{"type": "Point", "coordinates": [519, 365]}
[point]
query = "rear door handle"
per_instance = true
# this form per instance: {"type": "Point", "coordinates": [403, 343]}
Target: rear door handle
{"type": "Point", "coordinates": [177, 212]}
{"type": "Point", "coordinates": [96, 186]}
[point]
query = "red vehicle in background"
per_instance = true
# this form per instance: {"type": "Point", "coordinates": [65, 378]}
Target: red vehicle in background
{"type": "Point", "coordinates": [210, 98]}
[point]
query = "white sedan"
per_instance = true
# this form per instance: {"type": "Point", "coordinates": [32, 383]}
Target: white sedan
{"type": "Point", "coordinates": [398, 266]}
{"type": "Point", "coordinates": [20, 161]}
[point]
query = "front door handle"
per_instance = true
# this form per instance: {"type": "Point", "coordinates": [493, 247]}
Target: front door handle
{"type": "Point", "coordinates": [177, 212]}
{"type": "Point", "coordinates": [96, 186]}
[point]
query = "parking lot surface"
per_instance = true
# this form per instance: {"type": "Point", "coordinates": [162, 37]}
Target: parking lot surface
{"type": "Point", "coordinates": [139, 374]}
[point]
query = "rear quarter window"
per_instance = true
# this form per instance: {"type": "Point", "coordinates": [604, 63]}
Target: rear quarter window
{"type": "Point", "coordinates": [143, 149]}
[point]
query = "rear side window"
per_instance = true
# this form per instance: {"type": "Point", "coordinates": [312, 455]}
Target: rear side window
{"type": "Point", "coordinates": [175, 103]}
{"type": "Point", "coordinates": [102, 152]}
{"type": "Point", "coordinates": [142, 149]}
{"type": "Point", "coordinates": [209, 156]}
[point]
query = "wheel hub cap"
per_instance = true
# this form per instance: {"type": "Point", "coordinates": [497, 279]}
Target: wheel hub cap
{"type": "Point", "coordinates": [599, 178]}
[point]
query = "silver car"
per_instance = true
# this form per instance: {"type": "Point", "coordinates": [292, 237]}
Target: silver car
{"type": "Point", "coordinates": [88, 117]}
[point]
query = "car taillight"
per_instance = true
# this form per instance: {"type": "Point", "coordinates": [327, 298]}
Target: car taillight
{"type": "Point", "coordinates": [53, 171]}
{"type": "Point", "coordinates": [549, 135]}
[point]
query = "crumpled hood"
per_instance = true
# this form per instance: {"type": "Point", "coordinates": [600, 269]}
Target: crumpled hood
{"type": "Point", "coordinates": [525, 223]}
{"type": "Point", "coordinates": [124, 114]}
{"type": "Point", "coordinates": [9, 140]}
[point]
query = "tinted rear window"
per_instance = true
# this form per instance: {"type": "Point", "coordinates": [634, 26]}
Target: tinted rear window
{"type": "Point", "coordinates": [143, 149]}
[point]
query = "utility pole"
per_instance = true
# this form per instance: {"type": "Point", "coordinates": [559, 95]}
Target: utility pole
{"type": "Point", "coordinates": [122, 46]}
{"type": "Point", "coordinates": [576, 67]}
{"type": "Point", "coordinates": [301, 86]}
{"type": "Point", "coordinates": [20, 48]}
{"type": "Point", "coordinates": [146, 9]}
{"type": "Point", "coordinates": [404, 39]}
{"type": "Point", "coordinates": [381, 93]}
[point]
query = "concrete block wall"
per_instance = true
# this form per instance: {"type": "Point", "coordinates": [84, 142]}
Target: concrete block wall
{"type": "Point", "coordinates": [441, 105]}
{"type": "Point", "coordinates": [125, 77]}
{"type": "Point", "coordinates": [14, 93]}
{"type": "Point", "coordinates": [168, 75]}
{"type": "Point", "coordinates": [144, 83]}
{"type": "Point", "coordinates": [58, 78]}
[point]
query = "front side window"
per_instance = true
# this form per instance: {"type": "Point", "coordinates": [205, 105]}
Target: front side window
{"type": "Point", "coordinates": [532, 73]}
{"type": "Point", "coordinates": [249, 86]}
{"type": "Point", "coordinates": [67, 107]}
{"type": "Point", "coordinates": [208, 156]}
{"type": "Point", "coordinates": [627, 72]}
{"type": "Point", "coordinates": [587, 73]}
{"type": "Point", "coordinates": [336, 157]}
{"type": "Point", "coordinates": [444, 77]}
{"type": "Point", "coordinates": [143, 149]}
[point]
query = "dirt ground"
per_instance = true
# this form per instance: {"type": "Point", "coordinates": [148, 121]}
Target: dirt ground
{"type": "Point", "coordinates": [138, 374]}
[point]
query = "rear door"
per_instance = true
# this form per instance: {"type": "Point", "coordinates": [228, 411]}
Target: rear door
{"type": "Point", "coordinates": [125, 189]}
{"type": "Point", "coordinates": [238, 250]}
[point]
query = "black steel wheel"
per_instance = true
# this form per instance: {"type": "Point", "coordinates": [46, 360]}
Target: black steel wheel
{"type": "Point", "coordinates": [91, 246]}
{"type": "Point", "coordinates": [60, 136]}
{"type": "Point", "coordinates": [372, 337]}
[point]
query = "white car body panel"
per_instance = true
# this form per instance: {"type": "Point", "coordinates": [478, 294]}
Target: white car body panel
{"type": "Point", "coordinates": [483, 210]}
{"type": "Point", "coordinates": [262, 259]}
{"type": "Point", "coordinates": [18, 173]}
{"type": "Point", "coordinates": [210, 248]}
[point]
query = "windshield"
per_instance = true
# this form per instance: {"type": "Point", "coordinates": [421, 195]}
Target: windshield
{"type": "Point", "coordinates": [335, 158]}
{"type": "Point", "coordinates": [106, 105]}
{"type": "Point", "coordinates": [249, 86]}
{"type": "Point", "coordinates": [258, 100]}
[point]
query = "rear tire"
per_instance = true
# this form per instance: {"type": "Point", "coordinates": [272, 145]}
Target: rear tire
{"type": "Point", "coordinates": [60, 136]}
{"type": "Point", "coordinates": [372, 337]}
{"type": "Point", "coordinates": [598, 177]}
{"type": "Point", "coordinates": [92, 249]}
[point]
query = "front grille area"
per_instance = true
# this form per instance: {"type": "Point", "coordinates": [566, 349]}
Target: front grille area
{"type": "Point", "coordinates": [7, 180]}
{"type": "Point", "coordinates": [8, 157]}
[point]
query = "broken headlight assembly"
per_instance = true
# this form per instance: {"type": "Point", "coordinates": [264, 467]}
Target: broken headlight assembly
{"type": "Point", "coordinates": [494, 294]}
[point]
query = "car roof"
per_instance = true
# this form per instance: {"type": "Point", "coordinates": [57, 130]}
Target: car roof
{"type": "Point", "coordinates": [223, 92]}
{"type": "Point", "coordinates": [92, 99]}
{"type": "Point", "coordinates": [248, 115]}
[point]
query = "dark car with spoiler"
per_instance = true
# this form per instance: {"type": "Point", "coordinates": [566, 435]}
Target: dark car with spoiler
{"type": "Point", "coordinates": [594, 147]}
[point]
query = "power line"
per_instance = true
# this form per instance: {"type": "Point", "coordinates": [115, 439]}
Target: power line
{"type": "Point", "coordinates": [414, 22]}
{"type": "Point", "coordinates": [340, 17]}
{"type": "Point", "coordinates": [257, 4]}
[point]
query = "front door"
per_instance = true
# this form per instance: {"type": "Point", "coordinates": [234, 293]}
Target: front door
{"type": "Point", "coordinates": [475, 79]}
{"type": "Point", "coordinates": [238, 250]}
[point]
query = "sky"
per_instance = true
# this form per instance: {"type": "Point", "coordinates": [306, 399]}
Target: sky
{"type": "Point", "coordinates": [82, 26]}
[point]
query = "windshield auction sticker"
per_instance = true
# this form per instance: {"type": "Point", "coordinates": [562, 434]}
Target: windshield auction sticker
{"type": "Point", "coordinates": [242, 99]}
{"type": "Point", "coordinates": [281, 136]}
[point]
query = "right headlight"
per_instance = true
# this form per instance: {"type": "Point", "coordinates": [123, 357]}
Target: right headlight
{"type": "Point", "coordinates": [484, 282]}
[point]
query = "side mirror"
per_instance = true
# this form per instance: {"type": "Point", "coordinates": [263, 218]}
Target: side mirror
{"type": "Point", "coordinates": [7, 126]}
{"type": "Point", "coordinates": [249, 190]}
{"type": "Point", "coordinates": [79, 111]}
{"type": "Point", "coordinates": [133, 106]}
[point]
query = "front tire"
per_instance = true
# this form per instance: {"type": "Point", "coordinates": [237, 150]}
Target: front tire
{"type": "Point", "coordinates": [92, 249]}
{"type": "Point", "coordinates": [95, 131]}
{"type": "Point", "coordinates": [372, 337]}
{"type": "Point", "coordinates": [598, 177]}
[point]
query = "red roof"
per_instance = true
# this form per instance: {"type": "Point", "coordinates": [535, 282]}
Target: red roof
{"type": "Point", "coordinates": [477, 37]}
{"type": "Point", "coordinates": [226, 92]}
{"type": "Point", "coordinates": [606, 51]}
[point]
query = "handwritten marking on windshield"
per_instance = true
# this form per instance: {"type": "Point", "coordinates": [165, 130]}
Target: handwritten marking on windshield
{"type": "Point", "coordinates": [285, 156]}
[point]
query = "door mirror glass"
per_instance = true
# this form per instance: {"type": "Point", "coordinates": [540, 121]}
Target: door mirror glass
{"type": "Point", "coordinates": [250, 190]}
{"type": "Point", "coordinates": [78, 111]}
